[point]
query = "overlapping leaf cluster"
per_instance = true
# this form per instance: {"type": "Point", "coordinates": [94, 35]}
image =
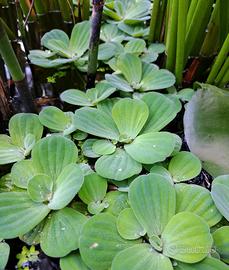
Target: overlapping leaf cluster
{"type": "Point", "coordinates": [109, 178]}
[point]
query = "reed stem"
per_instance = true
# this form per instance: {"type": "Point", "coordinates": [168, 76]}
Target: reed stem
{"type": "Point", "coordinates": [181, 32]}
{"type": "Point", "coordinates": [16, 72]}
{"type": "Point", "coordinates": [220, 59]}
{"type": "Point", "coordinates": [94, 41]}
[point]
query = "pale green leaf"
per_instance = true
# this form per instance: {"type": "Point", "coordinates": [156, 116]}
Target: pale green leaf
{"type": "Point", "coordinates": [100, 242]}
{"type": "Point", "coordinates": [196, 199]}
{"type": "Point", "coordinates": [61, 232]}
{"type": "Point", "coordinates": [101, 91]}
{"type": "Point", "coordinates": [151, 147]}
{"type": "Point", "coordinates": [40, 188]}
{"type": "Point", "coordinates": [221, 240]}
{"type": "Point", "coordinates": [19, 214]}
{"type": "Point", "coordinates": [22, 124]}
{"type": "Point", "coordinates": [66, 186]}
{"type": "Point", "coordinates": [87, 148]}
{"type": "Point", "coordinates": [4, 255]}
{"type": "Point", "coordinates": [153, 200]}
{"type": "Point", "coordinates": [51, 154]}
{"type": "Point", "coordinates": [139, 257]}
{"type": "Point", "coordinates": [187, 238]}
{"type": "Point", "coordinates": [131, 67]}
{"type": "Point", "coordinates": [96, 122]}
{"type": "Point", "coordinates": [94, 188]}
{"type": "Point", "coordinates": [75, 97]}
{"type": "Point", "coordinates": [184, 166]}
{"type": "Point", "coordinates": [117, 201]}
{"type": "Point", "coordinates": [157, 79]}
{"type": "Point", "coordinates": [54, 34]}
{"type": "Point", "coordinates": [135, 46]}
{"type": "Point", "coordinates": [22, 172]}
{"type": "Point", "coordinates": [130, 115]}
{"type": "Point", "coordinates": [103, 147]}
{"type": "Point", "coordinates": [220, 194]}
{"type": "Point", "coordinates": [79, 41]}
{"type": "Point", "coordinates": [207, 264]}
{"type": "Point", "coordinates": [161, 111]}
{"type": "Point", "coordinates": [128, 225]}
{"type": "Point", "coordinates": [117, 166]}
{"type": "Point", "coordinates": [119, 82]}
{"type": "Point", "coordinates": [10, 153]}
{"type": "Point", "coordinates": [55, 119]}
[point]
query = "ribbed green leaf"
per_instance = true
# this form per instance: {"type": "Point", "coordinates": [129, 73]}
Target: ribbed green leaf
{"type": "Point", "coordinates": [151, 147]}
{"type": "Point", "coordinates": [111, 33]}
{"type": "Point", "coordinates": [55, 34]}
{"type": "Point", "coordinates": [128, 225]}
{"type": "Point", "coordinates": [19, 214]}
{"type": "Point", "coordinates": [101, 91]}
{"type": "Point", "coordinates": [4, 254]}
{"type": "Point", "coordinates": [40, 188]}
{"type": "Point", "coordinates": [130, 116]}
{"type": "Point", "coordinates": [157, 79]}
{"type": "Point", "coordinates": [221, 240]}
{"type": "Point", "coordinates": [100, 242]}
{"type": "Point", "coordinates": [61, 232]}
{"type": "Point", "coordinates": [119, 82]}
{"type": "Point", "coordinates": [8, 152]}
{"type": "Point", "coordinates": [196, 199]}
{"type": "Point", "coordinates": [79, 41]}
{"type": "Point", "coordinates": [96, 122]}
{"type": "Point", "coordinates": [59, 47]}
{"type": "Point", "coordinates": [73, 261]}
{"type": "Point", "coordinates": [75, 97]}
{"type": "Point", "coordinates": [33, 236]}
{"type": "Point", "coordinates": [117, 201]}
{"type": "Point", "coordinates": [66, 186]}
{"type": "Point", "coordinates": [22, 172]}
{"type": "Point", "coordinates": [103, 147]}
{"type": "Point", "coordinates": [158, 169]}
{"type": "Point", "coordinates": [87, 148]}
{"type": "Point", "coordinates": [184, 166]}
{"type": "Point", "coordinates": [207, 264]}
{"type": "Point", "coordinates": [139, 257]}
{"type": "Point", "coordinates": [131, 67]}
{"type": "Point", "coordinates": [153, 200]}
{"type": "Point", "coordinates": [161, 112]}
{"type": "Point", "coordinates": [187, 238]}
{"type": "Point", "coordinates": [135, 46]}
{"type": "Point", "coordinates": [22, 124]}
{"type": "Point", "coordinates": [117, 166]}
{"type": "Point", "coordinates": [220, 194]}
{"type": "Point", "coordinates": [57, 120]}
{"type": "Point", "coordinates": [107, 105]}
{"type": "Point", "coordinates": [94, 188]}
{"type": "Point", "coordinates": [50, 155]}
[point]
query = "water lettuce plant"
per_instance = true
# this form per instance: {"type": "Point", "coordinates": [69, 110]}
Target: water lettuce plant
{"type": "Point", "coordinates": [48, 183]}
{"type": "Point", "coordinates": [57, 120]}
{"type": "Point", "coordinates": [135, 75]}
{"type": "Point", "coordinates": [128, 11]}
{"type": "Point", "coordinates": [25, 130]}
{"type": "Point", "coordinates": [89, 98]}
{"type": "Point", "coordinates": [148, 234]}
{"type": "Point", "coordinates": [61, 49]}
{"type": "Point", "coordinates": [130, 134]}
